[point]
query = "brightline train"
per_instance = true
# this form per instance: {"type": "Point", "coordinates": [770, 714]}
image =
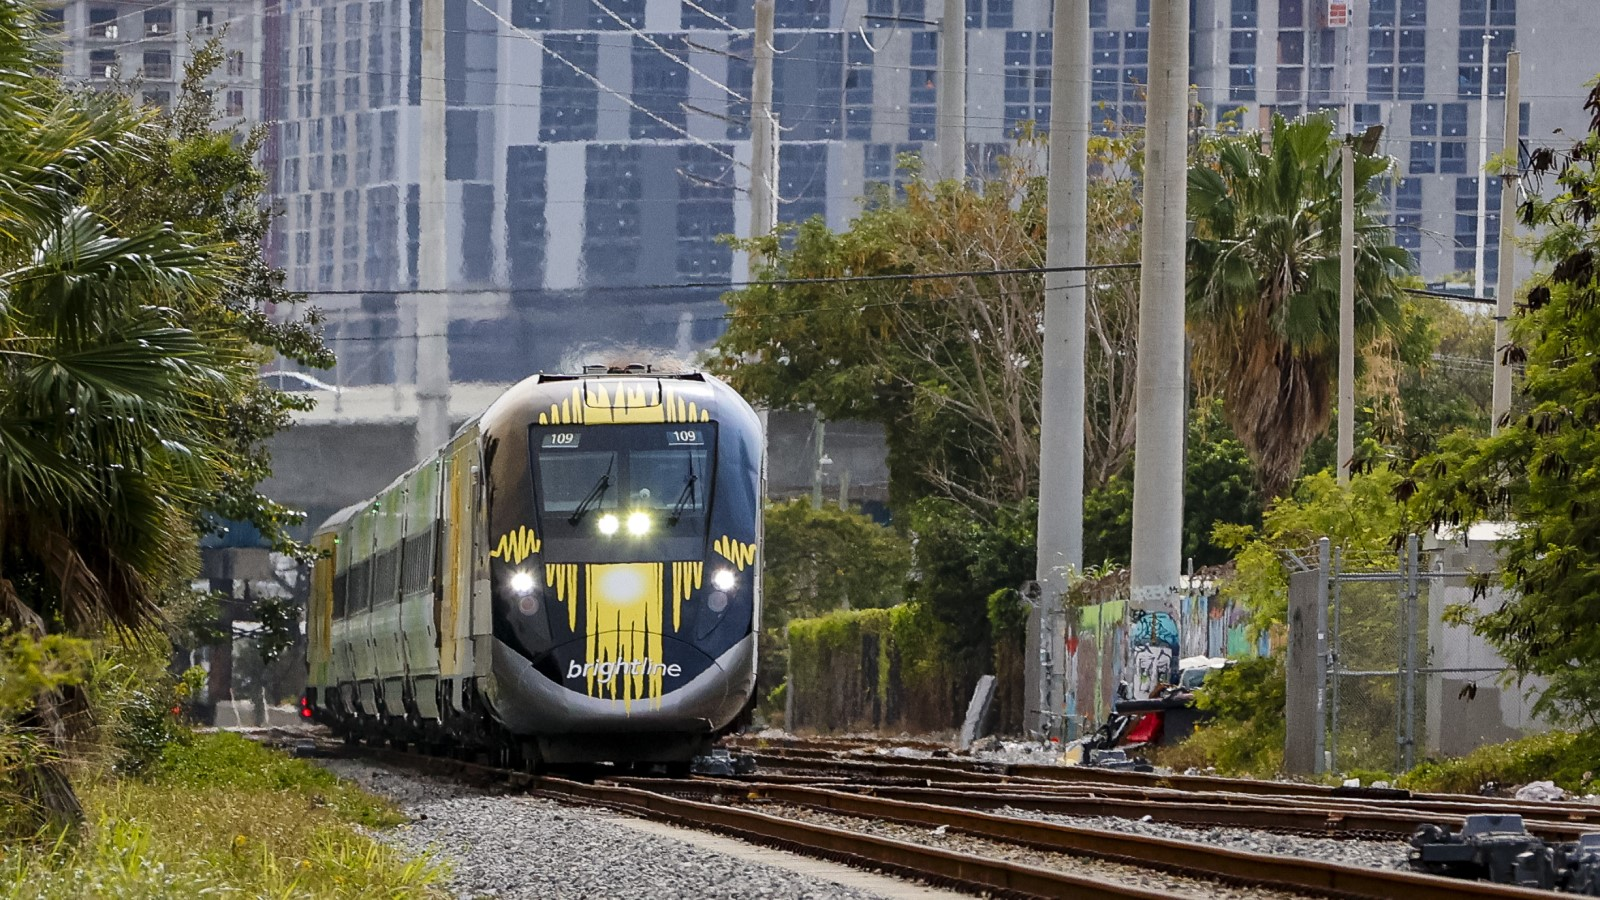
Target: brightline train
{"type": "Point", "coordinates": [573, 578]}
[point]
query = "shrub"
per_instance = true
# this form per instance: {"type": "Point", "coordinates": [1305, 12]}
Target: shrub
{"type": "Point", "coordinates": [1568, 758]}
{"type": "Point", "coordinates": [1246, 734]}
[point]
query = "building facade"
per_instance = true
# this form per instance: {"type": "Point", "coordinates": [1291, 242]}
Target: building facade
{"type": "Point", "coordinates": [596, 149]}
{"type": "Point", "coordinates": [148, 44]}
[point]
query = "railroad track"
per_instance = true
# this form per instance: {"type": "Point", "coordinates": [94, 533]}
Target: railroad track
{"type": "Point", "coordinates": [1191, 800]}
{"type": "Point", "coordinates": [807, 818]}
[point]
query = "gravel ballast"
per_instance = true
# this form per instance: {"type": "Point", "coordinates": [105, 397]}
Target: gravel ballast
{"type": "Point", "coordinates": [522, 847]}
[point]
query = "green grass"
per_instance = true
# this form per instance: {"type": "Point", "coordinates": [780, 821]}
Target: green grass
{"type": "Point", "coordinates": [1569, 758]}
{"type": "Point", "coordinates": [221, 816]}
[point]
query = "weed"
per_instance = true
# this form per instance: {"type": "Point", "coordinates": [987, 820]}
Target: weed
{"type": "Point", "coordinates": [1570, 759]}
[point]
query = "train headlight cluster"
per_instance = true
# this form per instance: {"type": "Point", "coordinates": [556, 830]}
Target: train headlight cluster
{"type": "Point", "coordinates": [724, 579]}
{"type": "Point", "coordinates": [608, 524]}
{"type": "Point", "coordinates": [638, 524]}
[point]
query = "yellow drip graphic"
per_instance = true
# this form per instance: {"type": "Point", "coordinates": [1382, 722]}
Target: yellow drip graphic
{"type": "Point", "coordinates": [685, 580]}
{"type": "Point", "coordinates": [516, 546]}
{"type": "Point", "coordinates": [622, 612]}
{"type": "Point", "coordinates": [564, 578]}
{"type": "Point", "coordinates": [736, 552]}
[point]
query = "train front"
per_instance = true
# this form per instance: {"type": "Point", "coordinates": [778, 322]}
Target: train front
{"type": "Point", "coordinates": [623, 519]}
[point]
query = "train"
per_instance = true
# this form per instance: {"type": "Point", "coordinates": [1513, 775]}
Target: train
{"type": "Point", "coordinates": [573, 578]}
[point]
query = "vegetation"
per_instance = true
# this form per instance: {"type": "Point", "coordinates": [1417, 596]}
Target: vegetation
{"type": "Point", "coordinates": [1264, 283]}
{"type": "Point", "coordinates": [222, 815]}
{"type": "Point", "coordinates": [1246, 732]}
{"type": "Point", "coordinates": [949, 366]}
{"type": "Point", "coordinates": [1538, 470]}
{"type": "Point", "coordinates": [133, 316]}
{"type": "Point", "coordinates": [815, 561]}
{"type": "Point", "coordinates": [1566, 757]}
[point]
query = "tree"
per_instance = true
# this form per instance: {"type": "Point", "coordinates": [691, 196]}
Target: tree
{"type": "Point", "coordinates": [122, 369]}
{"type": "Point", "coordinates": [1539, 469]}
{"type": "Point", "coordinates": [816, 561]}
{"type": "Point", "coordinates": [1263, 283]}
{"type": "Point", "coordinates": [948, 365]}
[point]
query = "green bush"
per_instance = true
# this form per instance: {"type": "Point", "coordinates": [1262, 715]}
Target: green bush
{"type": "Point", "coordinates": [1569, 758]}
{"type": "Point", "coordinates": [1246, 732]}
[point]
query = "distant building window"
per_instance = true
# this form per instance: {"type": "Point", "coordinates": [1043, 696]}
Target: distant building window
{"type": "Point", "coordinates": [802, 181]}
{"type": "Point", "coordinates": [103, 22]}
{"type": "Point", "coordinates": [157, 22]}
{"type": "Point", "coordinates": [1396, 49]}
{"type": "Point", "coordinates": [858, 89]}
{"type": "Point", "coordinates": [989, 13]}
{"type": "Point", "coordinates": [924, 87]}
{"type": "Point", "coordinates": [613, 215]}
{"type": "Point", "coordinates": [102, 63]}
{"type": "Point", "coordinates": [705, 212]}
{"type": "Point", "coordinates": [204, 21]}
{"type": "Point", "coordinates": [568, 107]}
{"type": "Point", "coordinates": [1027, 85]}
{"type": "Point", "coordinates": [524, 206]}
{"type": "Point", "coordinates": [660, 87]}
{"type": "Point", "coordinates": [235, 67]}
{"type": "Point", "coordinates": [158, 99]}
{"type": "Point", "coordinates": [604, 14]}
{"type": "Point", "coordinates": [235, 104]}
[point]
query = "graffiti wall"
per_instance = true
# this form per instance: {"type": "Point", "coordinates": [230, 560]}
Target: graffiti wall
{"type": "Point", "coordinates": [1108, 643]}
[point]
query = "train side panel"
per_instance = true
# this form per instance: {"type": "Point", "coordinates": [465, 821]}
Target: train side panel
{"type": "Point", "coordinates": [419, 633]}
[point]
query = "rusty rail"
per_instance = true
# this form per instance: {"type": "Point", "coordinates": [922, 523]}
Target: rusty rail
{"type": "Point", "coordinates": [1181, 857]}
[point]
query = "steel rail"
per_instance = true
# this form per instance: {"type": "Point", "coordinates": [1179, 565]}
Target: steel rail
{"type": "Point", "coordinates": [1465, 804]}
{"type": "Point", "coordinates": [903, 857]}
{"type": "Point", "coordinates": [1256, 869]}
{"type": "Point", "coordinates": [1315, 819]}
{"type": "Point", "coordinates": [1328, 816]}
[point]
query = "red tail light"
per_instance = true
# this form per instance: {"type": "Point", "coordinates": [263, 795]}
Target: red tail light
{"type": "Point", "coordinates": [305, 707]}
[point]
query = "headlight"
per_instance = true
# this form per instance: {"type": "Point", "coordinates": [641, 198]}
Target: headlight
{"type": "Point", "coordinates": [724, 579]}
{"type": "Point", "coordinates": [523, 582]}
{"type": "Point", "coordinates": [638, 524]}
{"type": "Point", "coordinates": [608, 524]}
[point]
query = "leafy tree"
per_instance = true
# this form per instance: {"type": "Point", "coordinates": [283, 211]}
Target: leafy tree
{"type": "Point", "coordinates": [815, 561]}
{"type": "Point", "coordinates": [949, 365]}
{"type": "Point", "coordinates": [1218, 488]}
{"type": "Point", "coordinates": [1539, 469]}
{"type": "Point", "coordinates": [1264, 283]}
{"type": "Point", "coordinates": [1361, 519]}
{"type": "Point", "coordinates": [128, 350]}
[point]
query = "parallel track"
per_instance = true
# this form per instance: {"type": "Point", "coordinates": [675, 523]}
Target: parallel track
{"type": "Point", "coordinates": [744, 809]}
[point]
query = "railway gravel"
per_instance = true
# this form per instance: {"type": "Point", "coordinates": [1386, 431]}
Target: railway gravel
{"type": "Point", "coordinates": [1372, 854]}
{"type": "Point", "coordinates": [519, 847]}
{"type": "Point", "coordinates": [1178, 885]}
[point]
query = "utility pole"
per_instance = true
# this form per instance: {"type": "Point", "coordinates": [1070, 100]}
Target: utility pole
{"type": "Point", "coordinates": [1483, 174]}
{"type": "Point", "coordinates": [1159, 419]}
{"type": "Point", "coordinates": [953, 90]}
{"type": "Point", "coordinates": [1061, 400]}
{"type": "Point", "coordinates": [431, 302]}
{"type": "Point", "coordinates": [763, 133]}
{"type": "Point", "coordinates": [1347, 309]}
{"type": "Point", "coordinates": [821, 460]}
{"type": "Point", "coordinates": [1504, 293]}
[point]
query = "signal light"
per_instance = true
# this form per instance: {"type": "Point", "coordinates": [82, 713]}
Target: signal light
{"type": "Point", "coordinates": [305, 707]}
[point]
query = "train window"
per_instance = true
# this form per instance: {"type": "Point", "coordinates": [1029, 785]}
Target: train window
{"type": "Point", "coordinates": [567, 478]}
{"type": "Point", "coordinates": [599, 468]}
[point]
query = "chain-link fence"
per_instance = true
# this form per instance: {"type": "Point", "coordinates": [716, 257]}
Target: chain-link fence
{"type": "Point", "coordinates": [1378, 677]}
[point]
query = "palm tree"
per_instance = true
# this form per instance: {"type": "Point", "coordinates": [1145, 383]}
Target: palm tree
{"type": "Point", "coordinates": [1263, 283]}
{"type": "Point", "coordinates": [108, 425]}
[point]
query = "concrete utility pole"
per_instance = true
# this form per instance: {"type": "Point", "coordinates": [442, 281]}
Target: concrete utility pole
{"type": "Point", "coordinates": [763, 133]}
{"type": "Point", "coordinates": [1347, 310]}
{"type": "Point", "coordinates": [1505, 291]}
{"type": "Point", "coordinates": [1061, 401]}
{"type": "Point", "coordinates": [953, 90]}
{"type": "Point", "coordinates": [1159, 420]}
{"type": "Point", "coordinates": [432, 303]}
{"type": "Point", "coordinates": [1483, 174]}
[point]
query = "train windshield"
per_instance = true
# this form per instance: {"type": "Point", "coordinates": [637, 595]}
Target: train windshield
{"type": "Point", "coordinates": [635, 479]}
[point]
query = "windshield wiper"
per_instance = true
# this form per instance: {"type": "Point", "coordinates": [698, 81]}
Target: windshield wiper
{"type": "Point", "coordinates": [685, 498]}
{"type": "Point", "coordinates": [595, 495]}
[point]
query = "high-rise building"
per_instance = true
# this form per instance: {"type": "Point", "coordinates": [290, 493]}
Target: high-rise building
{"type": "Point", "coordinates": [596, 149]}
{"type": "Point", "coordinates": [147, 44]}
